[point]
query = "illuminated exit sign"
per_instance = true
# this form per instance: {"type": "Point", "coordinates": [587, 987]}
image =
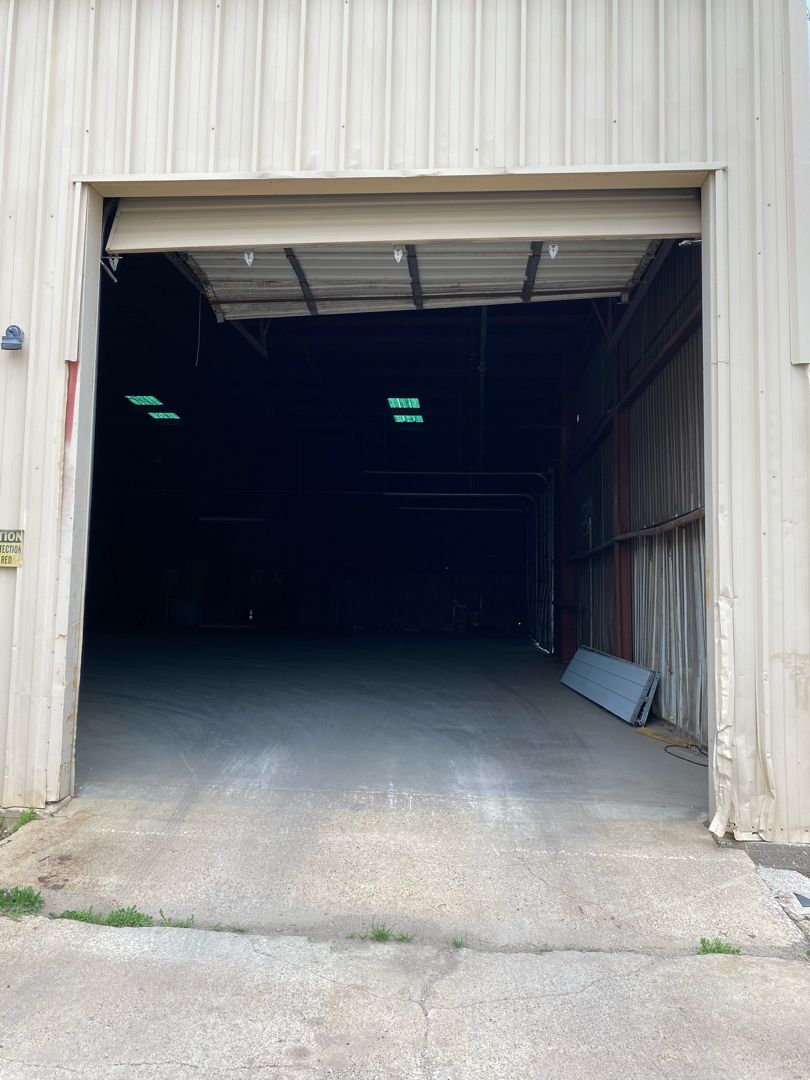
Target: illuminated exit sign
{"type": "Point", "coordinates": [11, 547]}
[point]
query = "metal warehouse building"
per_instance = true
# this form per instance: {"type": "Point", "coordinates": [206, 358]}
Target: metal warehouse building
{"type": "Point", "coordinates": [327, 284]}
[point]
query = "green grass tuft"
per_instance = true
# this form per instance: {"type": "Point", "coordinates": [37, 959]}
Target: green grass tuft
{"type": "Point", "coordinates": [81, 915]}
{"type": "Point", "coordinates": [128, 916]}
{"type": "Point", "coordinates": [179, 924]}
{"type": "Point", "coordinates": [26, 816]}
{"type": "Point", "coordinates": [459, 943]}
{"type": "Point", "coordinates": [379, 932]}
{"type": "Point", "coordinates": [717, 945]}
{"type": "Point", "coordinates": [20, 901]}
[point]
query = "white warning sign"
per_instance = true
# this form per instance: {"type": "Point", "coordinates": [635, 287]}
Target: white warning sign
{"type": "Point", "coordinates": [11, 547]}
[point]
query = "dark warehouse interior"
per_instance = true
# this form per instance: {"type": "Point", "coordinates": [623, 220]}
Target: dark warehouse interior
{"type": "Point", "coordinates": [274, 500]}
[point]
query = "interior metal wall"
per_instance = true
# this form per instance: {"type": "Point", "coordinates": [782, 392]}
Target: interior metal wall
{"type": "Point", "coordinates": [665, 481]}
{"type": "Point", "coordinates": [669, 569]}
{"type": "Point", "coordinates": [669, 624]}
{"type": "Point", "coordinates": [666, 440]}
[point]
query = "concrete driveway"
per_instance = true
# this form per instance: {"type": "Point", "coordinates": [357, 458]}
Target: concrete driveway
{"type": "Point", "coordinates": [442, 789]}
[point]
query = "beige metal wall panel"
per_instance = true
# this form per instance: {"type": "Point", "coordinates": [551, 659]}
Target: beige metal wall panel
{"type": "Point", "coordinates": [42, 235]}
{"type": "Point", "coordinates": [198, 88]}
{"type": "Point", "coordinates": [757, 510]}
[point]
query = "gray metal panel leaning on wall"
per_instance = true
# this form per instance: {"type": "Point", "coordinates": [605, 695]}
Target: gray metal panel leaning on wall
{"type": "Point", "coordinates": [200, 91]}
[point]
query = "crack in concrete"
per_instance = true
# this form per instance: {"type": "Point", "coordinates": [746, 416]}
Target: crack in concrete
{"type": "Point", "coordinates": [429, 985]}
{"type": "Point", "coordinates": [341, 984]}
{"type": "Point", "coordinates": [225, 1071]}
{"type": "Point", "coordinates": [576, 992]}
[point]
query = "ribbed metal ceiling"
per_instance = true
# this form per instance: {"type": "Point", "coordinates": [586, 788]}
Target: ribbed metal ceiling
{"type": "Point", "coordinates": [346, 278]}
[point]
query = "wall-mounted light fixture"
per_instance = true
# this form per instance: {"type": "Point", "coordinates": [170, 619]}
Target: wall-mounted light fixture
{"type": "Point", "coordinates": [12, 338]}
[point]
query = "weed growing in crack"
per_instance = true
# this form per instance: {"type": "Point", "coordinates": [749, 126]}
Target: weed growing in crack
{"type": "Point", "coordinates": [128, 916]}
{"type": "Point", "coordinates": [20, 901]}
{"type": "Point", "coordinates": [717, 945]}
{"type": "Point", "coordinates": [381, 932]}
{"type": "Point", "coordinates": [26, 816]}
{"type": "Point", "coordinates": [178, 924]}
{"type": "Point", "coordinates": [459, 943]}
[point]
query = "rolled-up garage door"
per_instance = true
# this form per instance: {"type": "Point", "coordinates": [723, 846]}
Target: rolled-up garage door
{"type": "Point", "coordinates": [290, 221]}
{"type": "Point", "coordinates": [270, 257]}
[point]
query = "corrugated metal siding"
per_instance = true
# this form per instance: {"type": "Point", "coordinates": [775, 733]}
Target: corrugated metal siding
{"type": "Point", "coordinates": [596, 602]}
{"type": "Point", "coordinates": [667, 481]}
{"type": "Point", "coordinates": [367, 277]}
{"type": "Point", "coordinates": [595, 396]}
{"type": "Point", "coordinates": [666, 468]}
{"type": "Point", "coordinates": [666, 441]}
{"type": "Point", "coordinates": [134, 87]}
{"type": "Point", "coordinates": [669, 622]}
{"type": "Point", "coordinates": [204, 86]}
{"type": "Point", "coordinates": [595, 484]}
{"type": "Point", "coordinates": [674, 296]}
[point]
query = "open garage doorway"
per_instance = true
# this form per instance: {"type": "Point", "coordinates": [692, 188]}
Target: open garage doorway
{"type": "Point", "coordinates": [352, 508]}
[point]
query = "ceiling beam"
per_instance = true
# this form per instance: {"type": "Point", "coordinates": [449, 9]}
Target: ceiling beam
{"type": "Point", "coordinates": [298, 270]}
{"type": "Point", "coordinates": [463, 297]}
{"type": "Point", "coordinates": [238, 326]}
{"type": "Point", "coordinates": [536, 251]}
{"type": "Point", "coordinates": [413, 270]}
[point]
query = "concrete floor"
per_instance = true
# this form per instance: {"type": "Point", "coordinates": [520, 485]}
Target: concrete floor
{"type": "Point", "coordinates": [163, 1004]}
{"type": "Point", "coordinates": [302, 790]}
{"type": "Point", "coordinates": [442, 785]}
{"type": "Point", "coordinates": [463, 717]}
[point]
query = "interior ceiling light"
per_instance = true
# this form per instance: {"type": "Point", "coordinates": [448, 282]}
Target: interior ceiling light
{"type": "Point", "coordinates": [143, 399]}
{"type": "Point", "coordinates": [164, 415]}
{"type": "Point", "coordinates": [404, 403]}
{"type": "Point", "coordinates": [407, 418]}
